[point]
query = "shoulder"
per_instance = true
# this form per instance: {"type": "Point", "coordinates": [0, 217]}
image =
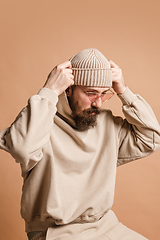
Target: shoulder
{"type": "Point", "coordinates": [110, 121]}
{"type": "Point", "coordinates": [107, 113]}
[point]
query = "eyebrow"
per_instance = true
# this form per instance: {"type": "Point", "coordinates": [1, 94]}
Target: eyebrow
{"type": "Point", "coordinates": [93, 90]}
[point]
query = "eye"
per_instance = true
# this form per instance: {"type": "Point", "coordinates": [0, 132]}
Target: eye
{"type": "Point", "coordinates": [90, 93]}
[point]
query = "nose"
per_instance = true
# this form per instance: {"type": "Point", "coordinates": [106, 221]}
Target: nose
{"type": "Point", "coordinates": [97, 102]}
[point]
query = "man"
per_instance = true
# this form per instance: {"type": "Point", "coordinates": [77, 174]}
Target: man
{"type": "Point", "coordinates": [69, 147]}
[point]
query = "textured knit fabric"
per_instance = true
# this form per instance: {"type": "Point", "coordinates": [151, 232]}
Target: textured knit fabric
{"type": "Point", "coordinates": [69, 175]}
{"type": "Point", "coordinates": [91, 68]}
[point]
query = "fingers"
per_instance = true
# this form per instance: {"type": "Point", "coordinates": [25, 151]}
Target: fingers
{"type": "Point", "coordinates": [68, 70]}
{"type": "Point", "coordinates": [117, 78]}
{"type": "Point", "coordinates": [60, 78]}
{"type": "Point", "coordinates": [116, 73]}
{"type": "Point", "coordinates": [70, 76]}
{"type": "Point", "coordinates": [113, 65]}
{"type": "Point", "coordinates": [65, 68]}
{"type": "Point", "coordinates": [66, 64]}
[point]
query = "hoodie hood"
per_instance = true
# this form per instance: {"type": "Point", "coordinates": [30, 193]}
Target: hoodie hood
{"type": "Point", "coordinates": [64, 111]}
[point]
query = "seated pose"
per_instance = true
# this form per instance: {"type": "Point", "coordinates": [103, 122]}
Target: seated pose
{"type": "Point", "coordinates": [69, 147]}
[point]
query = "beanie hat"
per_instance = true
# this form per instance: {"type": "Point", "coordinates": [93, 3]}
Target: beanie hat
{"type": "Point", "coordinates": [91, 68]}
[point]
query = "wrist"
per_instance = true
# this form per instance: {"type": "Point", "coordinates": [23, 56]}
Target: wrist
{"type": "Point", "coordinates": [121, 90]}
{"type": "Point", "coordinates": [48, 94]}
{"type": "Point", "coordinates": [52, 89]}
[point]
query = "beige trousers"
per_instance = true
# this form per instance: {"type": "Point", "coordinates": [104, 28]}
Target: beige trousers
{"type": "Point", "coordinates": [108, 228]}
{"type": "Point", "coordinates": [128, 235]}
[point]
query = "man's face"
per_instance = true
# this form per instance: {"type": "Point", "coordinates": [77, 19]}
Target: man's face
{"type": "Point", "coordinates": [85, 111]}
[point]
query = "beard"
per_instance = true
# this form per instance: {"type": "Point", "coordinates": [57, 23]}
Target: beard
{"type": "Point", "coordinates": [84, 119]}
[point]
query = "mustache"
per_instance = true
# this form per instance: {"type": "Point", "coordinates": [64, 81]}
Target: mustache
{"type": "Point", "coordinates": [92, 110]}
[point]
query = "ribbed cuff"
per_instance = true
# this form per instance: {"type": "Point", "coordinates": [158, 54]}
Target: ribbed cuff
{"type": "Point", "coordinates": [127, 97]}
{"type": "Point", "coordinates": [48, 94]}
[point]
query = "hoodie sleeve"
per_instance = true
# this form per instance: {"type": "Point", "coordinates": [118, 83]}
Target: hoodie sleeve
{"type": "Point", "coordinates": [139, 134]}
{"type": "Point", "coordinates": [27, 135]}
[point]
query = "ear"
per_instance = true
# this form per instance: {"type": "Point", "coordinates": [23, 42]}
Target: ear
{"type": "Point", "coordinates": [69, 91]}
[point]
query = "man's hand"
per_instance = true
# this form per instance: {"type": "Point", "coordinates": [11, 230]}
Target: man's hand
{"type": "Point", "coordinates": [117, 79]}
{"type": "Point", "coordinates": [60, 78]}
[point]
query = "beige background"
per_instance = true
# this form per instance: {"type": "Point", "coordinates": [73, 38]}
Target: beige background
{"type": "Point", "coordinates": [35, 36]}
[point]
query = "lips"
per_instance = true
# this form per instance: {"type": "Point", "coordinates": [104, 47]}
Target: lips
{"type": "Point", "coordinates": [93, 111]}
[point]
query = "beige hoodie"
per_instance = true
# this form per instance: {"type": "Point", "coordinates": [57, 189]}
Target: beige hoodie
{"type": "Point", "coordinates": [69, 175]}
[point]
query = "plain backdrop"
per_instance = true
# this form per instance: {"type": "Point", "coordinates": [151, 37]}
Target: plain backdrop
{"type": "Point", "coordinates": [37, 35]}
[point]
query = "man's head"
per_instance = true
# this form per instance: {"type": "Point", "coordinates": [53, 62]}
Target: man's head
{"type": "Point", "coordinates": [92, 79]}
{"type": "Point", "coordinates": [85, 103]}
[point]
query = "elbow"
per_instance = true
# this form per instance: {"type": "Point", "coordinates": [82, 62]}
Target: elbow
{"type": "Point", "coordinates": [27, 160]}
{"type": "Point", "coordinates": [156, 140]}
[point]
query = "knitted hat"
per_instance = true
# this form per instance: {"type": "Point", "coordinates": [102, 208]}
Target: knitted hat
{"type": "Point", "coordinates": [91, 68]}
